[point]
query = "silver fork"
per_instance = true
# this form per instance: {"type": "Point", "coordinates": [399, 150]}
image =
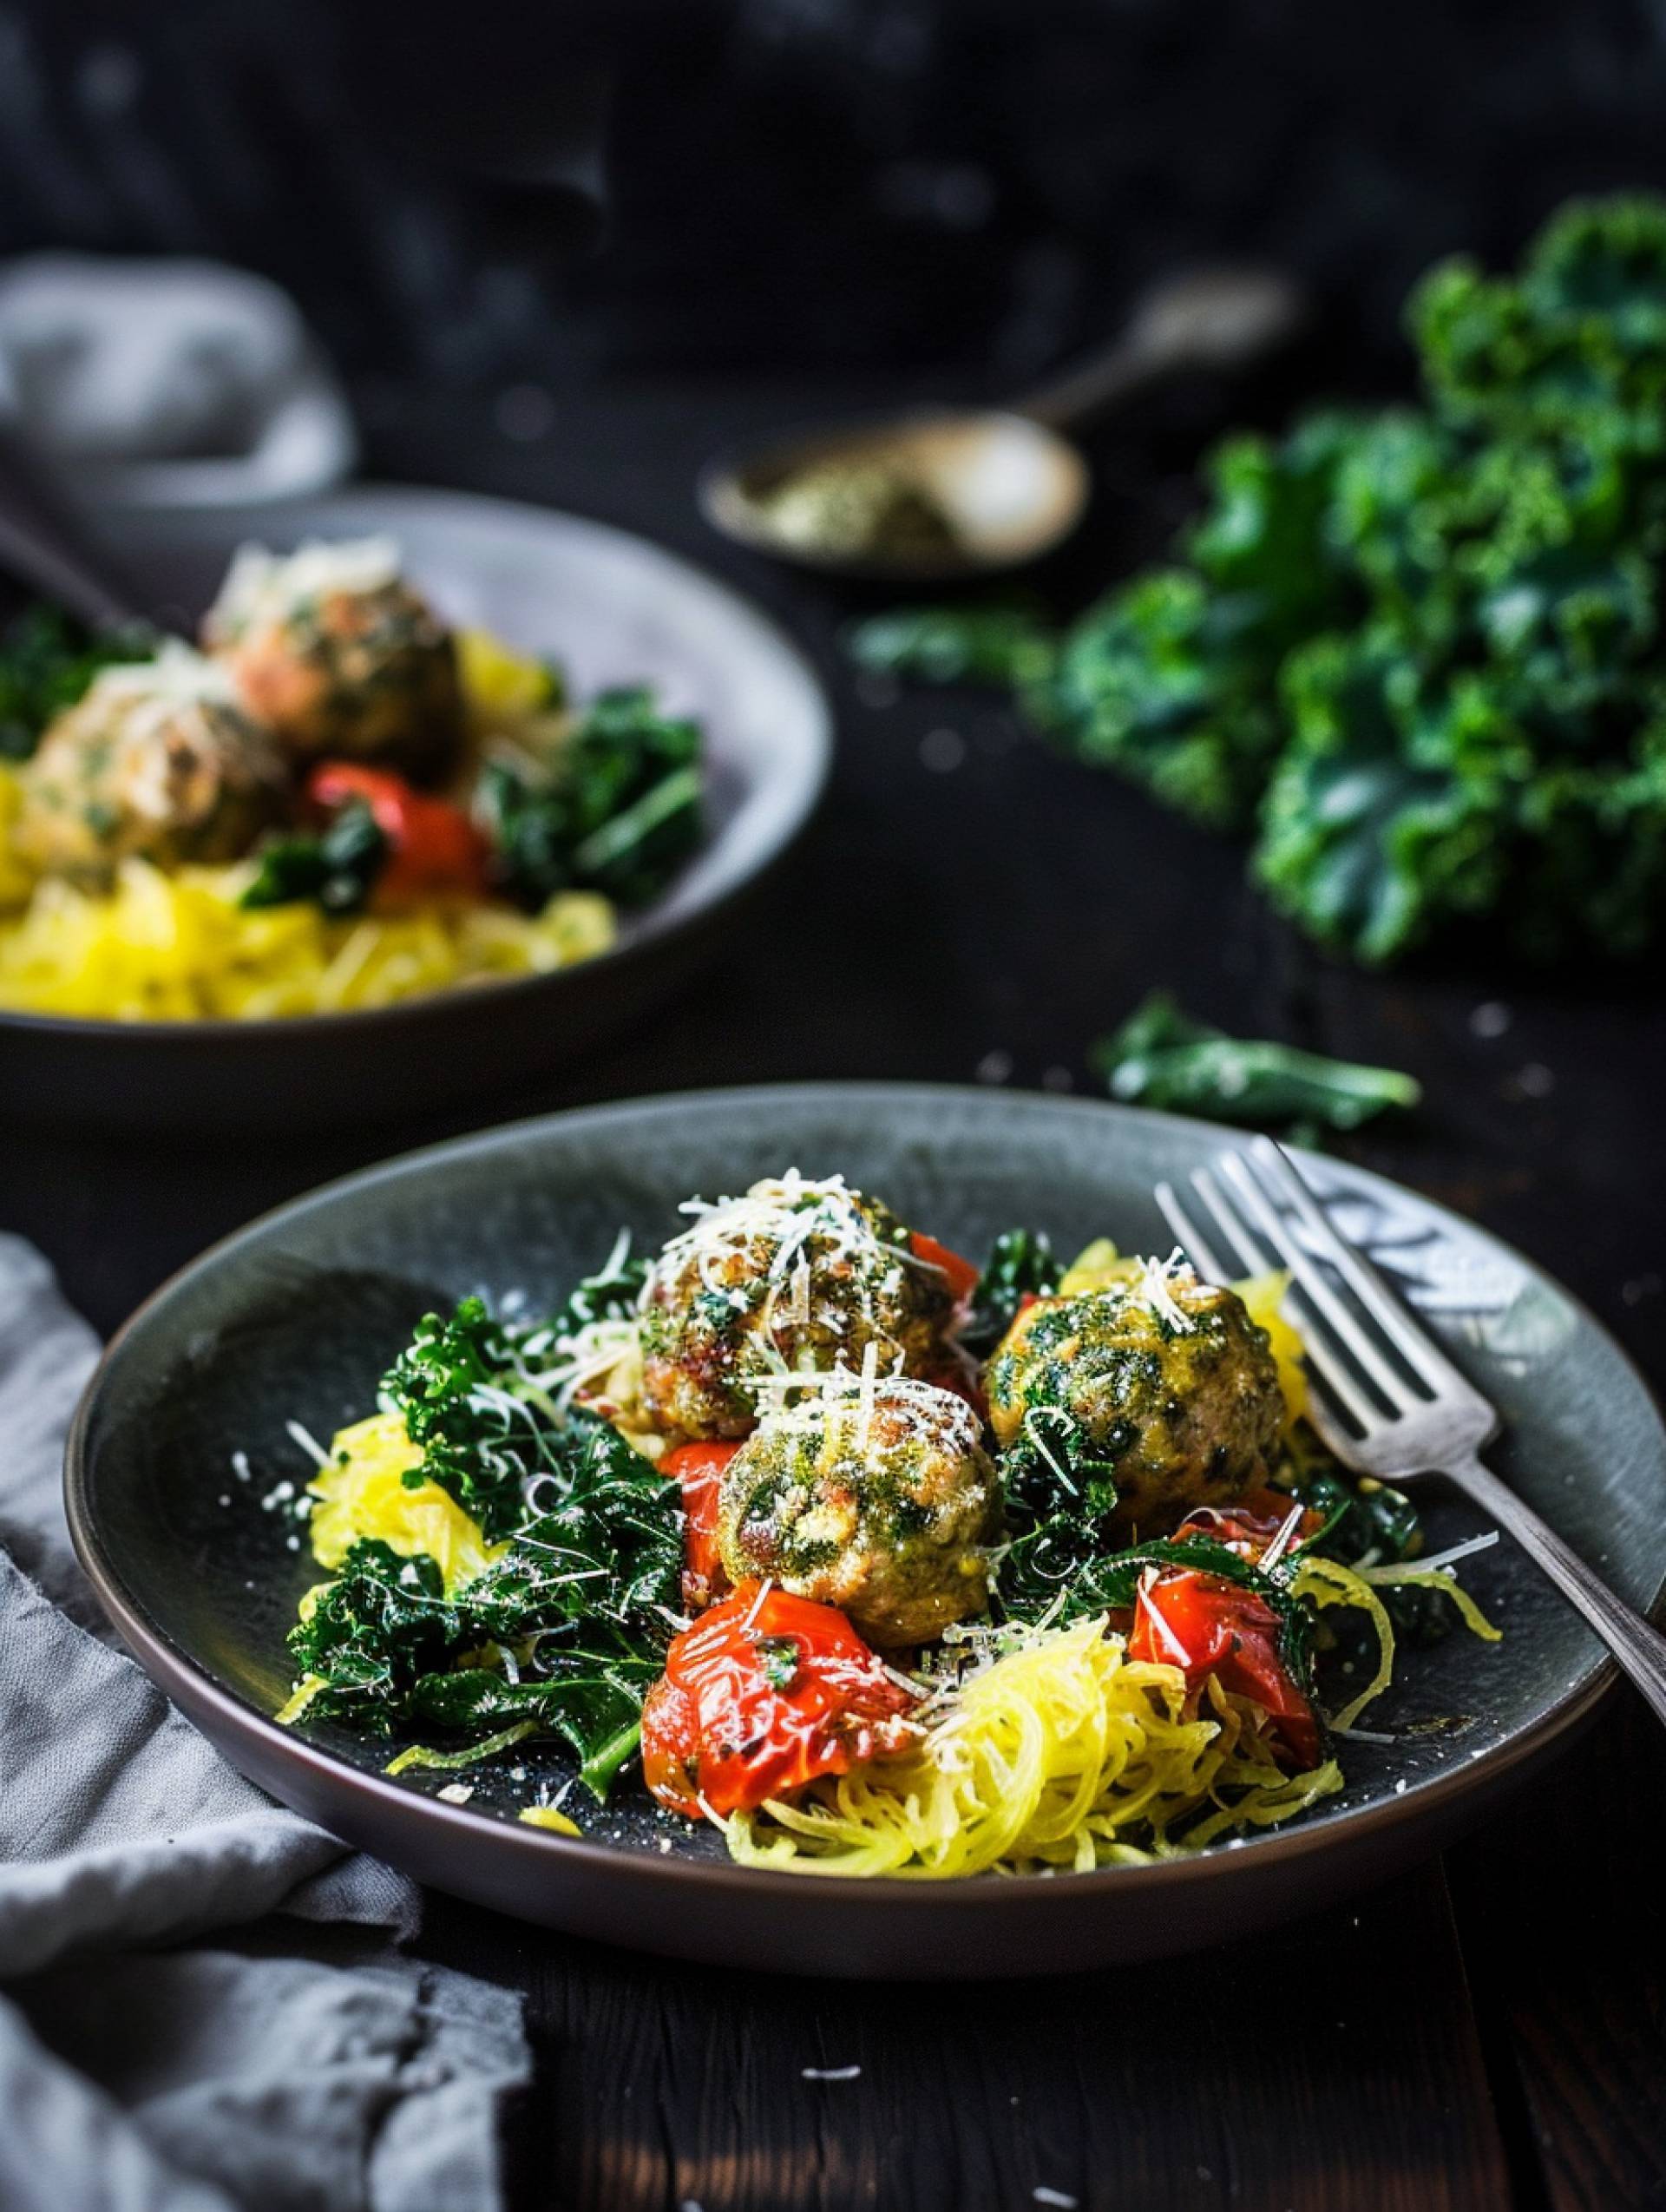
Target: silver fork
{"type": "Point", "coordinates": [1385, 1398]}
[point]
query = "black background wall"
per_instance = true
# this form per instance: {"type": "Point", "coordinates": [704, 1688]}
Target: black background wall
{"type": "Point", "coordinates": [971, 186]}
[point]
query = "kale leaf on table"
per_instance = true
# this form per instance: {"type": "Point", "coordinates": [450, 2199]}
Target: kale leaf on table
{"type": "Point", "coordinates": [1420, 655]}
{"type": "Point", "coordinates": [47, 662]}
{"type": "Point", "coordinates": [617, 809]}
{"type": "Point", "coordinates": [955, 645]}
{"type": "Point", "coordinates": [1161, 1057]}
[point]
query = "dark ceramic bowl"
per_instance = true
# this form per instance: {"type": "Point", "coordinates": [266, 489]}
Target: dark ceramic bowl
{"type": "Point", "coordinates": [295, 1317]}
{"type": "Point", "coordinates": [613, 609]}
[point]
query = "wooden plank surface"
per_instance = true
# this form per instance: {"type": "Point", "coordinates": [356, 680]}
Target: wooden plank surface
{"type": "Point", "coordinates": [1564, 1916]}
{"type": "Point", "coordinates": [1331, 2067]}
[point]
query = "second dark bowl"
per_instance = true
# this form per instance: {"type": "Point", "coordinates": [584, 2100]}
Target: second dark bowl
{"type": "Point", "coordinates": [614, 609]}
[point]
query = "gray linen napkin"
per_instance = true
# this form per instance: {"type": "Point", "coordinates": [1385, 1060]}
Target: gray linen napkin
{"type": "Point", "coordinates": [304, 2063]}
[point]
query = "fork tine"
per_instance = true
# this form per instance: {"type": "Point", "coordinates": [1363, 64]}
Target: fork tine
{"type": "Point", "coordinates": [1315, 1289]}
{"type": "Point", "coordinates": [1330, 1375]}
{"type": "Point", "coordinates": [1190, 1239]}
{"type": "Point", "coordinates": [1414, 1345]}
{"type": "Point", "coordinates": [1249, 1260]}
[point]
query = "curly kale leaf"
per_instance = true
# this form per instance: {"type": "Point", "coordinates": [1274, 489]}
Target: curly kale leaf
{"type": "Point", "coordinates": [1059, 1495]}
{"type": "Point", "coordinates": [47, 663]}
{"type": "Point", "coordinates": [337, 867]}
{"type": "Point", "coordinates": [617, 809]}
{"type": "Point", "coordinates": [1384, 820]}
{"type": "Point", "coordinates": [1020, 1265]}
{"type": "Point", "coordinates": [593, 1702]}
{"type": "Point", "coordinates": [1161, 1057]}
{"type": "Point", "coordinates": [1580, 335]}
{"type": "Point", "coordinates": [469, 1390]}
{"type": "Point", "coordinates": [1167, 683]}
{"type": "Point", "coordinates": [467, 1400]}
{"type": "Point", "coordinates": [1263, 542]}
{"type": "Point", "coordinates": [1403, 807]}
{"type": "Point", "coordinates": [580, 1601]}
{"type": "Point", "coordinates": [1373, 1527]}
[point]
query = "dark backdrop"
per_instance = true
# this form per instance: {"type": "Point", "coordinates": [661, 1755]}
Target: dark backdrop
{"type": "Point", "coordinates": [968, 186]}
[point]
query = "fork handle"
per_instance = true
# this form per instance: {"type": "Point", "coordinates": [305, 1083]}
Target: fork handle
{"type": "Point", "coordinates": [1639, 1649]}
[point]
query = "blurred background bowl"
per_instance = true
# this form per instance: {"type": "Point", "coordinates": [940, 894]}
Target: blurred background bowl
{"type": "Point", "coordinates": [613, 609]}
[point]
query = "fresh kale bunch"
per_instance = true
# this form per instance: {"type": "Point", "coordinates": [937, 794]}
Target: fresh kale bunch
{"type": "Point", "coordinates": [577, 1612]}
{"type": "Point", "coordinates": [47, 662]}
{"type": "Point", "coordinates": [1420, 655]}
{"type": "Point", "coordinates": [618, 811]}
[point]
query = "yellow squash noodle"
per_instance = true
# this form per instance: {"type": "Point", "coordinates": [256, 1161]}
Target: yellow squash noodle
{"type": "Point", "coordinates": [363, 1492]}
{"type": "Point", "coordinates": [1062, 1753]}
{"type": "Point", "coordinates": [179, 947]}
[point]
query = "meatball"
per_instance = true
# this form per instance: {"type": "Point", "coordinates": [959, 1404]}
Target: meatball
{"type": "Point", "coordinates": [339, 657]}
{"type": "Point", "coordinates": [877, 1498]}
{"type": "Point", "coordinates": [1165, 1376]}
{"type": "Point", "coordinates": [796, 1275]}
{"type": "Point", "coordinates": [155, 762]}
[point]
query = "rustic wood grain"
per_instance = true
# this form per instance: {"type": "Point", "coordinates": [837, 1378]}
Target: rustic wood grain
{"type": "Point", "coordinates": [1565, 1923]}
{"type": "Point", "coordinates": [1333, 2067]}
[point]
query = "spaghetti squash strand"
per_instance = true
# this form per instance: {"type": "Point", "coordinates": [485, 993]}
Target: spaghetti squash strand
{"type": "Point", "coordinates": [1328, 1582]}
{"type": "Point", "coordinates": [180, 947]}
{"type": "Point", "coordinates": [1062, 1754]}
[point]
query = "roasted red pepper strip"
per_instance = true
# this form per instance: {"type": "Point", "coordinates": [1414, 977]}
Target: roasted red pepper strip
{"type": "Point", "coordinates": [433, 847]}
{"type": "Point", "coordinates": [699, 1468]}
{"type": "Point", "coordinates": [961, 1274]}
{"type": "Point", "coordinates": [1206, 1625]}
{"type": "Point", "coordinates": [765, 1692]}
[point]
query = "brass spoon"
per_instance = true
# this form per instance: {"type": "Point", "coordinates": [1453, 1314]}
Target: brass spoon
{"type": "Point", "coordinates": [951, 493]}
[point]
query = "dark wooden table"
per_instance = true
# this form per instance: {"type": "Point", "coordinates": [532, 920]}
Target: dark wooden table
{"type": "Point", "coordinates": [1488, 2032]}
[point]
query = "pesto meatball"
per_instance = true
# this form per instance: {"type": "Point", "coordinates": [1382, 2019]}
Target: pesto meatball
{"type": "Point", "coordinates": [876, 1499]}
{"type": "Point", "coordinates": [338, 655]}
{"type": "Point", "coordinates": [156, 762]}
{"type": "Point", "coordinates": [1165, 1376]}
{"type": "Point", "coordinates": [796, 1275]}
